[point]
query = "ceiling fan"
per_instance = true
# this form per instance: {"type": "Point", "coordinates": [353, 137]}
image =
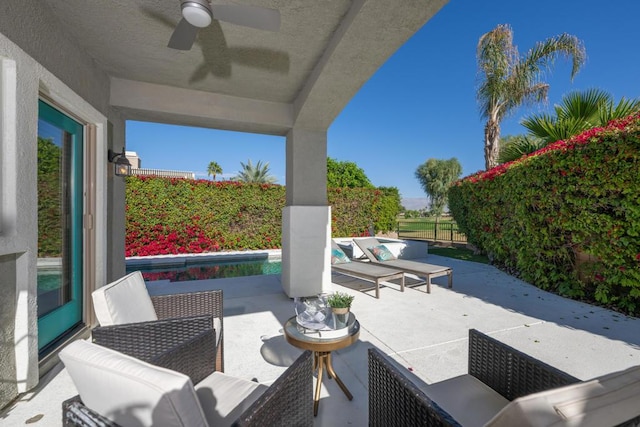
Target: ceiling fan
{"type": "Point", "coordinates": [199, 13]}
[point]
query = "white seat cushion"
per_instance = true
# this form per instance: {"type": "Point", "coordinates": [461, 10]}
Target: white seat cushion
{"type": "Point", "coordinates": [467, 399]}
{"type": "Point", "coordinates": [129, 391]}
{"type": "Point", "coordinates": [604, 401]}
{"type": "Point", "coordinates": [224, 398]}
{"type": "Point", "coordinates": [124, 301]}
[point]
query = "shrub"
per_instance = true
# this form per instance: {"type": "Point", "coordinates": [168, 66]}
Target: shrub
{"type": "Point", "coordinates": [176, 216]}
{"type": "Point", "coordinates": [538, 215]}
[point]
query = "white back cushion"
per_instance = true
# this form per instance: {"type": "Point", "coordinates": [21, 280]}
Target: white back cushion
{"type": "Point", "coordinates": [129, 391]}
{"type": "Point", "coordinates": [124, 301]}
{"type": "Point", "coordinates": [604, 401]}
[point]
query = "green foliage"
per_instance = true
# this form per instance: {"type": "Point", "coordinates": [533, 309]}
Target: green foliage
{"type": "Point", "coordinates": [577, 112]}
{"type": "Point", "coordinates": [258, 174]}
{"type": "Point", "coordinates": [353, 210]}
{"type": "Point", "coordinates": [381, 206]}
{"type": "Point", "coordinates": [49, 199]}
{"type": "Point", "coordinates": [574, 197]}
{"type": "Point", "coordinates": [214, 169]}
{"type": "Point", "coordinates": [340, 300]}
{"type": "Point", "coordinates": [435, 177]}
{"type": "Point", "coordinates": [170, 216]}
{"type": "Point", "coordinates": [416, 214]}
{"type": "Point", "coordinates": [387, 209]}
{"type": "Point", "coordinates": [509, 80]}
{"type": "Point", "coordinates": [514, 147]}
{"type": "Point", "coordinates": [166, 216]}
{"type": "Point", "coordinates": [342, 174]}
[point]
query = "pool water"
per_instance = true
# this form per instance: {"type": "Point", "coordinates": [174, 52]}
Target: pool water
{"type": "Point", "coordinates": [207, 270]}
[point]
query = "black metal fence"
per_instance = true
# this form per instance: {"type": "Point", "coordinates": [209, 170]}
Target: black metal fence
{"type": "Point", "coordinates": [421, 229]}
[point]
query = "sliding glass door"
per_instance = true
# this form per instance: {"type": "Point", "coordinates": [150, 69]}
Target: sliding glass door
{"type": "Point", "coordinates": [60, 213]}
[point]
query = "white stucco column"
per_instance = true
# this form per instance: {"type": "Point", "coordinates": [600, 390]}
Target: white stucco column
{"type": "Point", "coordinates": [306, 218]}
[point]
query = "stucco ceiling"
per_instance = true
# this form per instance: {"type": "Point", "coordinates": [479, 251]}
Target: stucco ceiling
{"type": "Point", "coordinates": [324, 51]}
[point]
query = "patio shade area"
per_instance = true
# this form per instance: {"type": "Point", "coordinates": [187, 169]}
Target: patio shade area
{"type": "Point", "coordinates": [426, 333]}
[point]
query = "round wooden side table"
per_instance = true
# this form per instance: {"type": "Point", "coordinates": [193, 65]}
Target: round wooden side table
{"type": "Point", "coordinates": [321, 347]}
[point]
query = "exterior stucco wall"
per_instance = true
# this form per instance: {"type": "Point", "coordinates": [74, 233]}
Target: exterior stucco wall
{"type": "Point", "coordinates": [7, 333]}
{"type": "Point", "coordinates": [36, 57]}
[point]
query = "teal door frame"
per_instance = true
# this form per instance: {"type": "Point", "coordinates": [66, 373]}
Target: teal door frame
{"type": "Point", "coordinates": [55, 323]}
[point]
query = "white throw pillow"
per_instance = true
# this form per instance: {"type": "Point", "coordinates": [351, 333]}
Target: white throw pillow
{"type": "Point", "coordinates": [131, 392]}
{"type": "Point", "coordinates": [124, 301]}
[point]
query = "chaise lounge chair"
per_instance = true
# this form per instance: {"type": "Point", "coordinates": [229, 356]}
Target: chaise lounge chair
{"type": "Point", "coordinates": [504, 387]}
{"type": "Point", "coordinates": [375, 273]}
{"type": "Point", "coordinates": [378, 254]}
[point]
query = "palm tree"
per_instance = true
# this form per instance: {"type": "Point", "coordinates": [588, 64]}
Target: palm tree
{"type": "Point", "coordinates": [577, 112]}
{"type": "Point", "coordinates": [509, 80]}
{"type": "Point", "coordinates": [255, 174]}
{"type": "Point", "coordinates": [214, 169]}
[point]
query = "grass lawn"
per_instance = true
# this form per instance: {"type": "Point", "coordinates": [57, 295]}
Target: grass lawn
{"type": "Point", "coordinates": [459, 253]}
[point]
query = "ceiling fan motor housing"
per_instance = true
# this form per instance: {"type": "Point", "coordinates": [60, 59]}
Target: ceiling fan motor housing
{"type": "Point", "coordinates": [197, 12]}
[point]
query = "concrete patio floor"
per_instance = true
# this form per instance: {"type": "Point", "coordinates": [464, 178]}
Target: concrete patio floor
{"type": "Point", "coordinates": [424, 332]}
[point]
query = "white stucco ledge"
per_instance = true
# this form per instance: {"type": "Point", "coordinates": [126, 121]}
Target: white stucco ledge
{"type": "Point", "coordinates": [401, 249]}
{"type": "Point", "coordinates": [185, 259]}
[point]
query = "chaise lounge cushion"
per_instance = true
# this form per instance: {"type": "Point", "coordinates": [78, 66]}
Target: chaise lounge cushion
{"type": "Point", "coordinates": [467, 399]}
{"type": "Point", "coordinates": [132, 392]}
{"type": "Point", "coordinates": [125, 300]}
{"type": "Point", "coordinates": [604, 401]}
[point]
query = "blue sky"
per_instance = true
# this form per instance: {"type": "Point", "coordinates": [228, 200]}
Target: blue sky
{"type": "Point", "coordinates": [421, 103]}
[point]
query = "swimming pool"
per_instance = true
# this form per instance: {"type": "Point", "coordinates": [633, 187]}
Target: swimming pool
{"type": "Point", "coordinates": [181, 270]}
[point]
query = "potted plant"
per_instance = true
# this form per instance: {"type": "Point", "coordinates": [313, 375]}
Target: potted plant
{"type": "Point", "coordinates": [340, 304]}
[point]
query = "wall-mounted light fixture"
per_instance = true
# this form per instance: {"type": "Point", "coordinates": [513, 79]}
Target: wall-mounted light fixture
{"type": "Point", "coordinates": [122, 167]}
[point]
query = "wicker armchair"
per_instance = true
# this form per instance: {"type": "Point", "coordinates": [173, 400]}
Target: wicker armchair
{"type": "Point", "coordinates": [396, 400]}
{"type": "Point", "coordinates": [126, 301]}
{"type": "Point", "coordinates": [208, 303]}
{"type": "Point", "coordinates": [288, 401]}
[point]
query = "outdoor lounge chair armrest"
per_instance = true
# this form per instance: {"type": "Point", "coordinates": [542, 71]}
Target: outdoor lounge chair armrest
{"type": "Point", "coordinates": [395, 400]}
{"type": "Point", "coordinates": [75, 414]}
{"type": "Point", "coordinates": [288, 401]}
{"type": "Point", "coordinates": [508, 371]}
{"type": "Point", "coordinates": [188, 304]}
{"type": "Point", "coordinates": [147, 340]}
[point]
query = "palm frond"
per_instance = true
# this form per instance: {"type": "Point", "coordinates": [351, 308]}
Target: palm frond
{"type": "Point", "coordinates": [583, 104]}
{"type": "Point", "coordinates": [542, 56]}
{"type": "Point", "coordinates": [255, 174]}
{"type": "Point", "coordinates": [625, 107]}
{"type": "Point", "coordinates": [519, 146]}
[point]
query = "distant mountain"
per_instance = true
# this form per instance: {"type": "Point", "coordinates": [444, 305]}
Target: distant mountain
{"type": "Point", "coordinates": [415, 203]}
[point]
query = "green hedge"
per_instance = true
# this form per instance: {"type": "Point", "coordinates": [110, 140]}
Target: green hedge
{"type": "Point", "coordinates": [573, 199]}
{"type": "Point", "coordinates": [172, 216]}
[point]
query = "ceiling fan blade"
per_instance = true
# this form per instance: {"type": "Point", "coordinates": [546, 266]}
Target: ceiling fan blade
{"type": "Point", "coordinates": [183, 36]}
{"type": "Point", "coordinates": [248, 16]}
